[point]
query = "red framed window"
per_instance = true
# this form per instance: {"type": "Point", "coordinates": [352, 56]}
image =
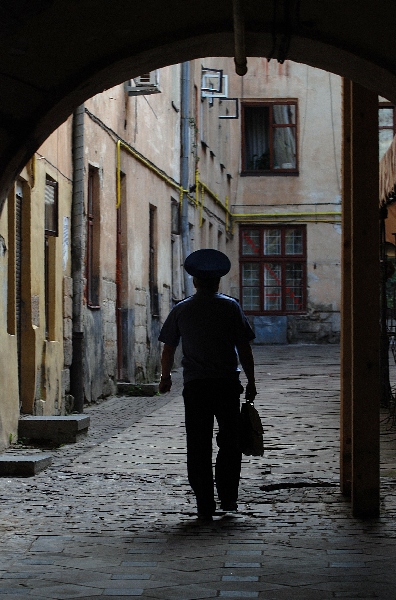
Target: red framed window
{"type": "Point", "coordinates": [269, 138]}
{"type": "Point", "coordinates": [273, 269]}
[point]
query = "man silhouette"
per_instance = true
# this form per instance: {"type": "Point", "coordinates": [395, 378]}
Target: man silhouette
{"type": "Point", "coordinates": [214, 332]}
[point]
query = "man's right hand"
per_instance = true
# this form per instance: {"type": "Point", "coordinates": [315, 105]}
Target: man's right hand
{"type": "Point", "coordinates": [165, 385]}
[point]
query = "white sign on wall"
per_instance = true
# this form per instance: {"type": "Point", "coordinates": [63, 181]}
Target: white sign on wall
{"type": "Point", "coordinates": [65, 242]}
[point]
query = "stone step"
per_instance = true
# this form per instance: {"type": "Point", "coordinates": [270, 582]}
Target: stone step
{"type": "Point", "coordinates": [23, 465]}
{"type": "Point", "coordinates": [137, 389]}
{"type": "Point", "coordinates": [54, 430]}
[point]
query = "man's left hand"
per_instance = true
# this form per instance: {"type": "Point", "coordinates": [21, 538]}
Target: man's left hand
{"type": "Point", "coordinates": [250, 391]}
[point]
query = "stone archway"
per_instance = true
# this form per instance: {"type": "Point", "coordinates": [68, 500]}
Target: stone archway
{"type": "Point", "coordinates": [55, 55]}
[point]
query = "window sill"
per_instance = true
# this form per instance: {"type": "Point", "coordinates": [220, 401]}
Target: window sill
{"type": "Point", "coordinates": [93, 306]}
{"type": "Point", "coordinates": [249, 313]}
{"type": "Point", "coordinates": [277, 173]}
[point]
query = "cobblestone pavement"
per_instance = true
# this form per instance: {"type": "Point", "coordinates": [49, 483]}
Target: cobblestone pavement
{"type": "Point", "coordinates": [114, 517]}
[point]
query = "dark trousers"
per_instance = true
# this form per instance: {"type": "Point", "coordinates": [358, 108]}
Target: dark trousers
{"type": "Point", "coordinates": [205, 399]}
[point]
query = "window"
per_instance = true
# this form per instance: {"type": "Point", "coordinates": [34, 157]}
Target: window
{"type": "Point", "coordinates": [175, 217]}
{"type": "Point", "coordinates": [93, 239]}
{"type": "Point", "coordinates": [269, 138]}
{"type": "Point", "coordinates": [50, 232]}
{"type": "Point", "coordinates": [51, 207]}
{"type": "Point", "coordinates": [386, 127]}
{"type": "Point", "coordinates": [273, 269]}
{"type": "Point", "coordinates": [153, 285]}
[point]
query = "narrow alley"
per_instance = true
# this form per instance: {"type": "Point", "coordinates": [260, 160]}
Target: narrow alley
{"type": "Point", "coordinates": [113, 516]}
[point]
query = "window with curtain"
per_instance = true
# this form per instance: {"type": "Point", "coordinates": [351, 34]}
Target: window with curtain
{"type": "Point", "coordinates": [269, 137]}
{"type": "Point", "coordinates": [386, 126]}
{"type": "Point", "coordinates": [273, 269]}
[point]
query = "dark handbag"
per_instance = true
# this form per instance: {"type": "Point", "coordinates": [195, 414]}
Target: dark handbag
{"type": "Point", "coordinates": [251, 430]}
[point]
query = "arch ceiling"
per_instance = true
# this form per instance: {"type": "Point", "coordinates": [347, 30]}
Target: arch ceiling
{"type": "Point", "coordinates": [54, 54]}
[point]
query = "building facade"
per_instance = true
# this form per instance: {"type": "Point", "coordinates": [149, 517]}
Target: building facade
{"type": "Point", "coordinates": [272, 142]}
{"type": "Point", "coordinates": [36, 301]}
{"type": "Point", "coordinates": [187, 157]}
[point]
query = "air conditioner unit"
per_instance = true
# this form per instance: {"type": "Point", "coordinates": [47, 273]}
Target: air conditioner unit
{"type": "Point", "coordinates": [145, 84]}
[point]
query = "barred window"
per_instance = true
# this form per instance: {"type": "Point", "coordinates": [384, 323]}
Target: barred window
{"type": "Point", "coordinates": [273, 269]}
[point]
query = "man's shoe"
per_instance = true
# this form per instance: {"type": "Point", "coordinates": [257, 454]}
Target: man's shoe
{"type": "Point", "coordinates": [229, 507]}
{"type": "Point", "coordinates": [206, 510]}
{"type": "Point", "coordinates": [205, 517]}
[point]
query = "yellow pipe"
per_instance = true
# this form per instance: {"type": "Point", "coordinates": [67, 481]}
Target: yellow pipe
{"type": "Point", "coordinates": [146, 163]}
{"type": "Point", "coordinates": [214, 196]}
{"type": "Point", "coordinates": [322, 220]}
{"type": "Point", "coordinates": [201, 205]}
{"type": "Point", "coordinates": [202, 187]}
{"type": "Point", "coordinates": [196, 187]}
{"type": "Point", "coordinates": [286, 214]}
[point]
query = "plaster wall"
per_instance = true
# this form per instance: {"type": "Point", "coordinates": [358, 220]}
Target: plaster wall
{"type": "Point", "coordinates": [319, 133]}
{"type": "Point", "coordinates": [314, 193]}
{"type": "Point", "coordinates": [9, 392]}
{"type": "Point", "coordinates": [44, 382]}
{"type": "Point", "coordinates": [149, 125]}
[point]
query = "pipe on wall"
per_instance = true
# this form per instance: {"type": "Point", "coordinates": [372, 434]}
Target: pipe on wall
{"type": "Point", "coordinates": [77, 258]}
{"type": "Point", "coordinates": [184, 169]}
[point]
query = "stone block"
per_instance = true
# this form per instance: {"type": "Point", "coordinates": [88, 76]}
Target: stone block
{"type": "Point", "coordinates": [305, 326]}
{"type": "Point", "coordinates": [65, 375]}
{"type": "Point", "coordinates": [67, 307]}
{"type": "Point", "coordinates": [109, 290]}
{"type": "Point", "coordinates": [67, 329]}
{"type": "Point", "coordinates": [112, 292]}
{"type": "Point", "coordinates": [140, 295]}
{"type": "Point", "coordinates": [35, 301]}
{"type": "Point", "coordinates": [110, 331]}
{"type": "Point", "coordinates": [69, 403]}
{"type": "Point", "coordinates": [111, 311]}
{"type": "Point", "coordinates": [67, 352]}
{"type": "Point", "coordinates": [140, 317]}
{"type": "Point", "coordinates": [25, 465]}
{"type": "Point", "coordinates": [54, 430]}
{"type": "Point", "coordinates": [140, 336]}
{"type": "Point", "coordinates": [68, 286]}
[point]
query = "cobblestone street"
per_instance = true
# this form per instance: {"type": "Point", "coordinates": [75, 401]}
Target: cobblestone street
{"type": "Point", "coordinates": [113, 516]}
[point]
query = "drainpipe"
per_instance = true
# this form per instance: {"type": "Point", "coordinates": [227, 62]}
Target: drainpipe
{"type": "Point", "coordinates": [77, 258]}
{"type": "Point", "coordinates": [184, 169]}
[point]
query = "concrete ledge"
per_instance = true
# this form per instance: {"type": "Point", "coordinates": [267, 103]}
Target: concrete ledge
{"type": "Point", "coordinates": [23, 466]}
{"type": "Point", "coordinates": [54, 430]}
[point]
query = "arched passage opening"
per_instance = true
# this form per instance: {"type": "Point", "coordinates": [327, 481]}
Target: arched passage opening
{"type": "Point", "coordinates": [55, 61]}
